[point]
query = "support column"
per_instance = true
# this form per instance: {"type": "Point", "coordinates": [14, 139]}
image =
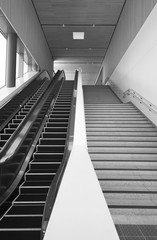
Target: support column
{"type": "Point", "coordinates": [21, 65]}
{"type": "Point", "coordinates": [11, 60]}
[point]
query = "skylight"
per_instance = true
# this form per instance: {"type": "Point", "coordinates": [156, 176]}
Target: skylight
{"type": "Point", "coordinates": [78, 35]}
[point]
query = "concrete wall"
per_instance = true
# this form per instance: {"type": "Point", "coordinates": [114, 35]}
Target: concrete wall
{"type": "Point", "coordinates": [22, 17]}
{"type": "Point", "coordinates": [131, 57]}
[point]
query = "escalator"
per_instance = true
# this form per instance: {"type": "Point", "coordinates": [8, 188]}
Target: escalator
{"type": "Point", "coordinates": [23, 219]}
{"type": "Point", "coordinates": [10, 126]}
{"type": "Point", "coordinates": [122, 144]}
{"type": "Point", "coordinates": [12, 107]}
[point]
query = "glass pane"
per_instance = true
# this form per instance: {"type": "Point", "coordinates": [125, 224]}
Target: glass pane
{"type": "Point", "coordinates": [2, 59]}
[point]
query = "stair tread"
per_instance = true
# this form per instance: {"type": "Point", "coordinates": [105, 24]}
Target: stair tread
{"type": "Point", "coordinates": [124, 157]}
{"type": "Point", "coordinates": [121, 144]}
{"type": "Point", "coordinates": [116, 150]}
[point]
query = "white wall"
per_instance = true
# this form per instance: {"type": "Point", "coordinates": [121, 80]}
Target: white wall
{"type": "Point", "coordinates": [22, 16]}
{"type": "Point", "coordinates": [138, 67]}
{"type": "Point", "coordinates": [131, 58]}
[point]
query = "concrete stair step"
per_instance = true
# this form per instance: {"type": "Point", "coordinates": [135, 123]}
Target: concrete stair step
{"type": "Point", "coordinates": [117, 122]}
{"type": "Point", "coordinates": [134, 217]}
{"type": "Point", "coordinates": [120, 129]}
{"type": "Point", "coordinates": [115, 118]}
{"type": "Point", "coordinates": [132, 165]}
{"type": "Point", "coordinates": [114, 111]}
{"type": "Point", "coordinates": [123, 157]}
{"type": "Point", "coordinates": [119, 125]}
{"type": "Point", "coordinates": [127, 175]}
{"type": "Point", "coordinates": [126, 133]}
{"type": "Point", "coordinates": [108, 104]}
{"type": "Point", "coordinates": [133, 186]}
{"type": "Point", "coordinates": [131, 199]}
{"type": "Point", "coordinates": [125, 149]}
{"type": "Point", "coordinates": [128, 139]}
{"type": "Point", "coordinates": [121, 144]}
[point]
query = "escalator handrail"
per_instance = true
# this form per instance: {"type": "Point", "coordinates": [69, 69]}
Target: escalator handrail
{"type": "Point", "coordinates": [52, 193]}
{"type": "Point", "coordinates": [15, 141]}
{"type": "Point", "coordinates": [2, 126]}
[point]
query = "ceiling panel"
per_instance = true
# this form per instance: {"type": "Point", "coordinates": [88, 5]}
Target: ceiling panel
{"type": "Point", "coordinates": [62, 37]}
{"type": "Point", "coordinates": [78, 11]}
{"type": "Point", "coordinates": [91, 59]}
{"type": "Point", "coordinates": [57, 53]}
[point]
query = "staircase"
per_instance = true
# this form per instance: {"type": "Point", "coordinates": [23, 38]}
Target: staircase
{"type": "Point", "coordinates": [23, 220]}
{"type": "Point", "coordinates": [122, 144]}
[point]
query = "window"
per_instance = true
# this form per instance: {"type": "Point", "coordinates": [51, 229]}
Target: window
{"type": "Point", "coordinates": [2, 59]}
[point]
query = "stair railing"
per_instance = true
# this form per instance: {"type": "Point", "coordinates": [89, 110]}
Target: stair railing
{"type": "Point", "coordinates": [140, 99]}
{"type": "Point", "coordinates": [51, 196]}
{"type": "Point", "coordinates": [8, 152]}
{"type": "Point", "coordinates": [130, 95]}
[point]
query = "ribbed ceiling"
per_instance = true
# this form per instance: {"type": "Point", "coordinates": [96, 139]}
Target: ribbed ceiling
{"type": "Point", "coordinates": [96, 18]}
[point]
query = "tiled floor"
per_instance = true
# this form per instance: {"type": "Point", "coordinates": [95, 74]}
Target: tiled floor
{"type": "Point", "coordinates": [137, 232]}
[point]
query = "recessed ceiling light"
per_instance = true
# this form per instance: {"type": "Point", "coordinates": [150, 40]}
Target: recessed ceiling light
{"type": "Point", "coordinates": [78, 35]}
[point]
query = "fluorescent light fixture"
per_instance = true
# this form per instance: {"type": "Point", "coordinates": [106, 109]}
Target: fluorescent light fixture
{"type": "Point", "coordinates": [78, 35]}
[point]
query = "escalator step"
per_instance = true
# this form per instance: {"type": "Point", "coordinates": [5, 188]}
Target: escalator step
{"type": "Point", "coordinates": [42, 165]}
{"type": "Point", "coordinates": [55, 115]}
{"type": "Point", "coordinates": [40, 177]}
{"type": "Point", "coordinates": [9, 130]}
{"type": "Point", "coordinates": [50, 149]}
{"type": "Point", "coordinates": [43, 170]}
{"type": "Point", "coordinates": [49, 157]}
{"type": "Point", "coordinates": [59, 124]}
{"type": "Point", "coordinates": [26, 209]}
{"type": "Point", "coordinates": [37, 183]}
{"type": "Point", "coordinates": [55, 129]}
{"type": "Point", "coordinates": [34, 190]}
{"type": "Point", "coordinates": [19, 117]}
{"type": "Point", "coordinates": [2, 143]}
{"type": "Point", "coordinates": [21, 235]}
{"type": "Point", "coordinates": [58, 120]}
{"type": "Point", "coordinates": [21, 222]}
{"type": "Point", "coordinates": [24, 198]}
{"type": "Point", "coordinates": [16, 121]}
{"type": "Point", "coordinates": [54, 135]}
{"type": "Point", "coordinates": [49, 141]}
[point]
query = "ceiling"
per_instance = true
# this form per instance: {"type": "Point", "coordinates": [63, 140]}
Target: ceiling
{"type": "Point", "coordinates": [96, 18]}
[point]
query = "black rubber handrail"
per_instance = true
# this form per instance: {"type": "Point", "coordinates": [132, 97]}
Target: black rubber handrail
{"type": "Point", "coordinates": [21, 104]}
{"type": "Point", "coordinates": [52, 193]}
{"type": "Point", "coordinates": [19, 136]}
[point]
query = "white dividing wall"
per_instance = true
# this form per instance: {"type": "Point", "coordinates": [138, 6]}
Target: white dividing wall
{"type": "Point", "coordinates": [22, 16]}
{"type": "Point", "coordinates": [80, 211]}
{"type": "Point", "coordinates": [131, 58]}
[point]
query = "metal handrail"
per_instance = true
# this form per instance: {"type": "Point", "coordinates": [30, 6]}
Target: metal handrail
{"type": "Point", "coordinates": [19, 136]}
{"type": "Point", "coordinates": [52, 193]}
{"type": "Point", "coordinates": [142, 100]}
